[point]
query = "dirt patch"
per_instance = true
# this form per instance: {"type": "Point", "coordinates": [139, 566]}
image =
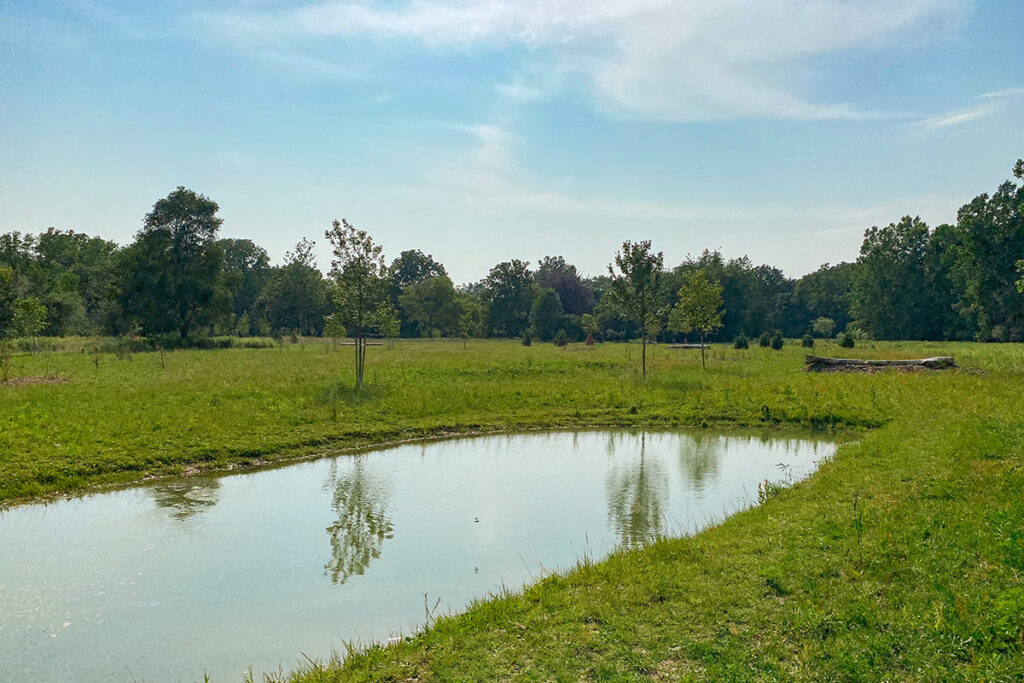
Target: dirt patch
{"type": "Point", "coordinates": [31, 380]}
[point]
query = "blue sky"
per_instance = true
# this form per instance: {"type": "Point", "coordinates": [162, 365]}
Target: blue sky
{"type": "Point", "coordinates": [483, 130]}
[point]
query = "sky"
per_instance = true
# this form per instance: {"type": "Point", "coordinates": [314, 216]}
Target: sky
{"type": "Point", "coordinates": [484, 130]}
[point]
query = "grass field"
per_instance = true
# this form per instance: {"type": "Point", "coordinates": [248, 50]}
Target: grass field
{"type": "Point", "coordinates": [901, 559]}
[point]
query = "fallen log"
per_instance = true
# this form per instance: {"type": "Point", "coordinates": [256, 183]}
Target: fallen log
{"type": "Point", "coordinates": [689, 346]}
{"type": "Point", "coordinates": [822, 363]}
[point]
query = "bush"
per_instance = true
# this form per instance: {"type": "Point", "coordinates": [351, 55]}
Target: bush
{"type": "Point", "coordinates": [741, 342]}
{"type": "Point", "coordinates": [777, 341]}
{"type": "Point", "coordinates": [561, 338]}
{"type": "Point", "coordinates": [527, 339]}
{"type": "Point", "coordinates": [807, 342]}
{"type": "Point", "coordinates": [846, 340]}
{"type": "Point", "coordinates": [764, 340]}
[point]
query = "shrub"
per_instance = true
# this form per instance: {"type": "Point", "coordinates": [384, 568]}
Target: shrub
{"type": "Point", "coordinates": [807, 342]}
{"type": "Point", "coordinates": [527, 339]}
{"type": "Point", "coordinates": [561, 338]}
{"type": "Point", "coordinates": [764, 340]}
{"type": "Point", "coordinates": [777, 341]}
{"type": "Point", "coordinates": [741, 342]}
{"type": "Point", "coordinates": [846, 340]}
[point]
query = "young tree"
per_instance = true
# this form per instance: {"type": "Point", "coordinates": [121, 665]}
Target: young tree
{"type": "Point", "coordinates": [699, 308]}
{"type": "Point", "coordinates": [634, 290]}
{"type": "Point", "coordinates": [360, 274]}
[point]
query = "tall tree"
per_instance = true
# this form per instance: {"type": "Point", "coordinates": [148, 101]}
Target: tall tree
{"type": "Point", "coordinates": [174, 271]}
{"type": "Point", "coordinates": [509, 288]}
{"type": "Point", "coordinates": [361, 278]}
{"type": "Point", "coordinates": [248, 266]}
{"type": "Point", "coordinates": [891, 295]}
{"type": "Point", "coordinates": [991, 230]}
{"type": "Point", "coordinates": [635, 288]}
{"type": "Point", "coordinates": [699, 308]}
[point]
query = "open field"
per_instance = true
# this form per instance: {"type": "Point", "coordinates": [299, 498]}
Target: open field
{"type": "Point", "coordinates": [903, 558]}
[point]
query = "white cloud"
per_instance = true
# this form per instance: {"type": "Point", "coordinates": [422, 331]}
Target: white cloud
{"type": "Point", "coordinates": [674, 60]}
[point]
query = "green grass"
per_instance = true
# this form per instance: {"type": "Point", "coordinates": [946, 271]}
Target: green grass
{"type": "Point", "coordinates": [900, 559]}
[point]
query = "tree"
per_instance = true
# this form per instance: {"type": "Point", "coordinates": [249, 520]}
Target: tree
{"type": "Point", "coordinates": [29, 317]}
{"type": "Point", "coordinates": [546, 314]}
{"type": "Point", "coordinates": [576, 295]}
{"type": "Point", "coordinates": [411, 266]}
{"type": "Point", "coordinates": [991, 240]}
{"type": "Point", "coordinates": [8, 297]}
{"type": "Point", "coordinates": [891, 296]}
{"type": "Point", "coordinates": [430, 305]}
{"type": "Point", "coordinates": [295, 298]}
{"type": "Point", "coordinates": [635, 288]}
{"type": "Point", "coordinates": [361, 297]}
{"type": "Point", "coordinates": [174, 275]}
{"type": "Point", "coordinates": [824, 327]}
{"type": "Point", "coordinates": [699, 308]}
{"type": "Point", "coordinates": [249, 268]}
{"type": "Point", "coordinates": [509, 286]}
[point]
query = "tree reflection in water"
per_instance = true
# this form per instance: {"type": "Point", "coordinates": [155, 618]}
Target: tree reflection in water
{"type": "Point", "coordinates": [637, 495]}
{"type": "Point", "coordinates": [699, 455]}
{"type": "Point", "coordinates": [187, 497]}
{"type": "Point", "coordinates": [360, 501]}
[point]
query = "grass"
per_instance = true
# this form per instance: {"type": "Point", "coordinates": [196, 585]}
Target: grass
{"type": "Point", "coordinates": [901, 559]}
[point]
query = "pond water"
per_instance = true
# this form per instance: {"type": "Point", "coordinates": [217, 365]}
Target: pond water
{"type": "Point", "coordinates": [217, 575]}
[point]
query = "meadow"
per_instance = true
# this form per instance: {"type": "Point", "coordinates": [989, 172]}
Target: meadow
{"type": "Point", "coordinates": [902, 558]}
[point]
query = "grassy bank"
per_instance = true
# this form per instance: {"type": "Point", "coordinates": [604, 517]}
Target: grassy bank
{"type": "Point", "coordinates": [903, 558]}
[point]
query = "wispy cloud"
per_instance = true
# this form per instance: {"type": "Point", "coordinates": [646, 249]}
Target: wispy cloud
{"type": "Point", "coordinates": [655, 59]}
{"type": "Point", "coordinates": [988, 104]}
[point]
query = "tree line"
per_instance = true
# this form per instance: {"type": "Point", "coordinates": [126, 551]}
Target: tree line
{"type": "Point", "coordinates": [179, 281]}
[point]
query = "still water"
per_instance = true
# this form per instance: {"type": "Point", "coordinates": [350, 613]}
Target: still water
{"type": "Point", "coordinates": [217, 575]}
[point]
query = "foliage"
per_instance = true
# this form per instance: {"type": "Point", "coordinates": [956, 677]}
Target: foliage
{"type": "Point", "coordinates": [699, 307]}
{"type": "Point", "coordinates": [296, 297]}
{"type": "Point", "coordinates": [777, 341]}
{"type": "Point", "coordinates": [824, 327]}
{"type": "Point", "coordinates": [546, 314]}
{"type": "Point", "coordinates": [635, 291]}
{"type": "Point", "coordinates": [361, 287]}
{"type": "Point", "coordinates": [741, 342]}
{"type": "Point", "coordinates": [575, 295]}
{"type": "Point", "coordinates": [527, 339]}
{"type": "Point", "coordinates": [174, 271]}
{"type": "Point", "coordinates": [431, 305]}
{"type": "Point", "coordinates": [561, 338]}
{"type": "Point", "coordinates": [846, 340]}
{"type": "Point", "coordinates": [764, 340]}
{"type": "Point", "coordinates": [509, 288]}
{"type": "Point", "coordinates": [807, 341]}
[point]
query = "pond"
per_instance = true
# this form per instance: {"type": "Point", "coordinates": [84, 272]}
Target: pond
{"type": "Point", "coordinates": [217, 575]}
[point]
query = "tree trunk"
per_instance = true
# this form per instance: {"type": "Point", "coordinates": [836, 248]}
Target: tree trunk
{"type": "Point", "coordinates": [703, 364]}
{"type": "Point", "coordinates": [643, 354]}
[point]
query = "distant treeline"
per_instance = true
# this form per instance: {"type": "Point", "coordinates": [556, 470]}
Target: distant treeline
{"type": "Point", "coordinates": [177, 281]}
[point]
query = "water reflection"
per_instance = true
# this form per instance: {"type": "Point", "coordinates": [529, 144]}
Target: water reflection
{"type": "Point", "coordinates": [360, 500]}
{"type": "Point", "coordinates": [699, 457]}
{"type": "Point", "coordinates": [637, 496]}
{"type": "Point", "coordinates": [184, 498]}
